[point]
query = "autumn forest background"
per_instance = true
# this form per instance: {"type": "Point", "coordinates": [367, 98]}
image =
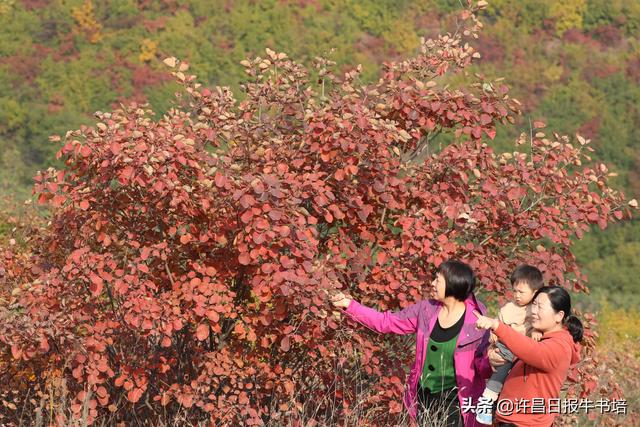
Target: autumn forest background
{"type": "Point", "coordinates": [573, 64]}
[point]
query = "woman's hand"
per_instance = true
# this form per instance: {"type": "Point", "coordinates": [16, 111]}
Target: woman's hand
{"type": "Point", "coordinates": [536, 335]}
{"type": "Point", "coordinates": [495, 358]}
{"type": "Point", "coordinates": [485, 322]}
{"type": "Point", "coordinates": [340, 300]}
{"type": "Point", "coordinates": [493, 338]}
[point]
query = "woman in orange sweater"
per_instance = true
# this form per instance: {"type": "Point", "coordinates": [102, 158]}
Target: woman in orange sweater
{"type": "Point", "coordinates": [531, 392]}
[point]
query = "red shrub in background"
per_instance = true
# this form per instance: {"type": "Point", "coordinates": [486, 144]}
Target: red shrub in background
{"type": "Point", "coordinates": [187, 259]}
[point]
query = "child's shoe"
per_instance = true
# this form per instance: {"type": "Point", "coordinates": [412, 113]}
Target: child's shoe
{"type": "Point", "coordinates": [485, 407]}
{"type": "Point", "coordinates": [485, 417]}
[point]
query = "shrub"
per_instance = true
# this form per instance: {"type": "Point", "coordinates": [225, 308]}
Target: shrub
{"type": "Point", "coordinates": [185, 265]}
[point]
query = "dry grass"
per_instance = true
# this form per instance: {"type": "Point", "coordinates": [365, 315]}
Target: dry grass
{"type": "Point", "coordinates": [323, 409]}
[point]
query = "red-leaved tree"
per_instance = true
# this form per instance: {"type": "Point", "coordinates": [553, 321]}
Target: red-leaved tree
{"type": "Point", "coordinates": [185, 266]}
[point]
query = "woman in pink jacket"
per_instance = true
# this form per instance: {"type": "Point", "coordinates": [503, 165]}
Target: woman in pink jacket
{"type": "Point", "coordinates": [451, 364]}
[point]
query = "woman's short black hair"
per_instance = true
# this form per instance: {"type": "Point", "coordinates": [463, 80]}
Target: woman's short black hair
{"type": "Point", "coordinates": [458, 278]}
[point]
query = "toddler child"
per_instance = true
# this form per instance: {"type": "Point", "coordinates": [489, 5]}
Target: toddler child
{"type": "Point", "coordinates": [526, 280]}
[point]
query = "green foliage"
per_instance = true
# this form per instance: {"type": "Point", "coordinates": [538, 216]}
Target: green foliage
{"type": "Point", "coordinates": [567, 14]}
{"type": "Point", "coordinates": [16, 30]}
{"type": "Point", "coordinates": [12, 114]}
{"type": "Point", "coordinates": [618, 122]}
{"type": "Point", "coordinates": [599, 13]}
{"type": "Point", "coordinates": [568, 105]}
{"type": "Point", "coordinates": [619, 347]}
{"type": "Point", "coordinates": [447, 6]}
{"type": "Point", "coordinates": [118, 13]}
{"type": "Point", "coordinates": [611, 259]}
{"type": "Point", "coordinates": [68, 80]}
{"type": "Point", "coordinates": [375, 16]}
{"type": "Point", "coordinates": [4, 229]}
{"type": "Point", "coordinates": [524, 15]}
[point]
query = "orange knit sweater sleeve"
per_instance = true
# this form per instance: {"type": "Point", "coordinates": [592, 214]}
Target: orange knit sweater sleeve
{"type": "Point", "coordinates": [544, 355]}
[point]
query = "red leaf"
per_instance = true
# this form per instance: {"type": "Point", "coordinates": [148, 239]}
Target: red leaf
{"type": "Point", "coordinates": [394, 284]}
{"type": "Point", "coordinates": [213, 316]}
{"type": "Point", "coordinates": [186, 400]}
{"type": "Point", "coordinates": [287, 262]}
{"type": "Point", "coordinates": [165, 399]}
{"type": "Point", "coordinates": [120, 381]}
{"type": "Point", "coordinates": [244, 258]}
{"type": "Point", "coordinates": [515, 193]}
{"type": "Point", "coordinates": [126, 174]}
{"type": "Point", "coordinates": [275, 215]}
{"type": "Point", "coordinates": [16, 352]}
{"type": "Point", "coordinates": [96, 284]}
{"type": "Point", "coordinates": [382, 257]}
{"type": "Point", "coordinates": [202, 332]}
{"type": "Point", "coordinates": [364, 213]}
{"type": "Point", "coordinates": [491, 132]}
{"type": "Point", "coordinates": [246, 216]}
{"type": "Point", "coordinates": [431, 125]}
{"type": "Point", "coordinates": [134, 395]}
{"type": "Point", "coordinates": [58, 200]}
{"type": "Point", "coordinates": [285, 344]}
{"type": "Point", "coordinates": [589, 387]}
{"type": "Point", "coordinates": [85, 151]}
{"type": "Point", "coordinates": [220, 180]}
{"type": "Point", "coordinates": [285, 231]}
{"type": "Point", "coordinates": [289, 386]}
{"type": "Point", "coordinates": [115, 148]}
{"type": "Point", "coordinates": [52, 187]}
{"type": "Point", "coordinates": [101, 392]}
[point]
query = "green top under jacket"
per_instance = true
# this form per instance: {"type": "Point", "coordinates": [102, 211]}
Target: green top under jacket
{"type": "Point", "coordinates": [438, 372]}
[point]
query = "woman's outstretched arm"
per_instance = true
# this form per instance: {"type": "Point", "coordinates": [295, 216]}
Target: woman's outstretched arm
{"type": "Point", "coordinates": [401, 322]}
{"type": "Point", "coordinates": [544, 355]}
